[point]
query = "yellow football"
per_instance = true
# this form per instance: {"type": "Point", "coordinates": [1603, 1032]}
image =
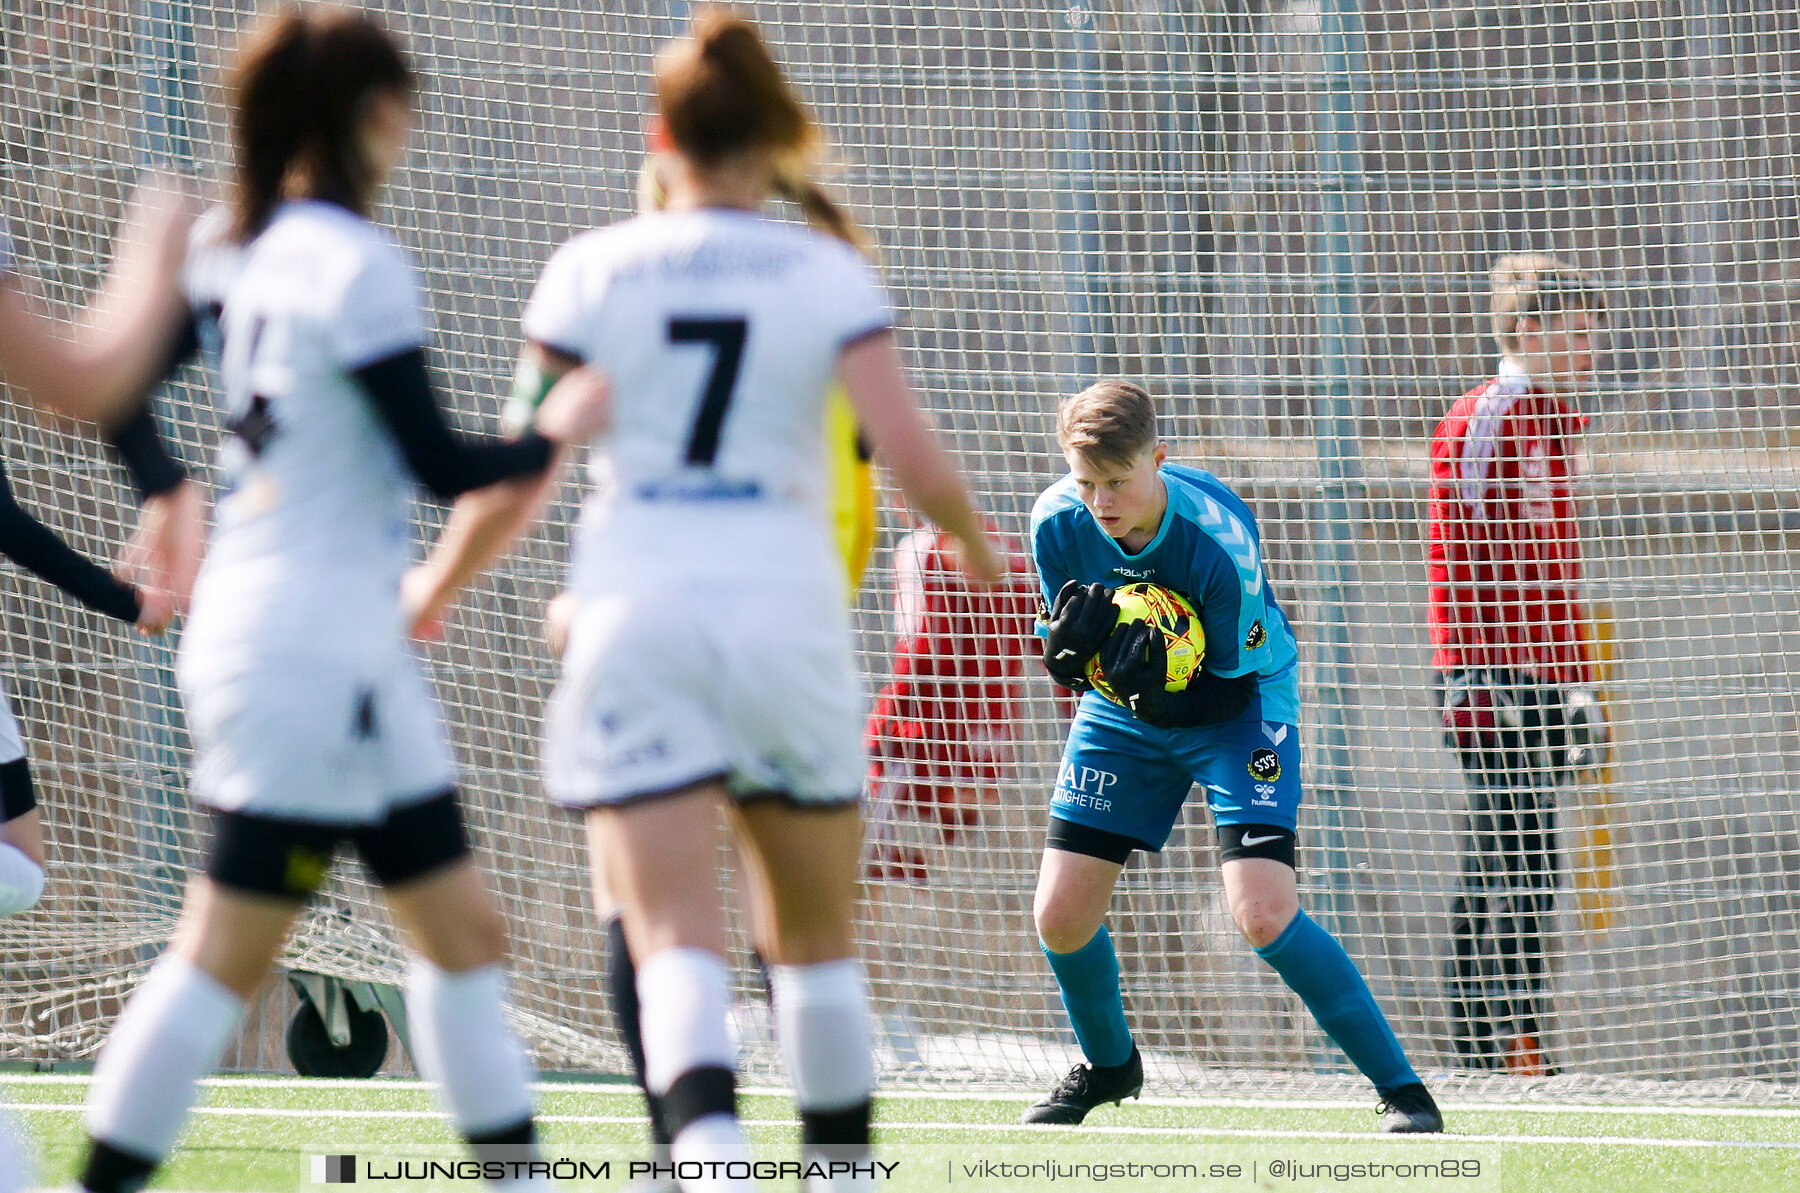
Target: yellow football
{"type": "Point", "coordinates": [1168, 611]}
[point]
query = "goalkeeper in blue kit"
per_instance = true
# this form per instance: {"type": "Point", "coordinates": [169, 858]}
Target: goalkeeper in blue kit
{"type": "Point", "coordinates": [1123, 515]}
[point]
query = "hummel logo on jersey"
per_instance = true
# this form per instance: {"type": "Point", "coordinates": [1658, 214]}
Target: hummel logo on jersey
{"type": "Point", "coordinates": [1275, 733]}
{"type": "Point", "coordinates": [1236, 541]}
{"type": "Point", "coordinates": [1256, 637]}
{"type": "Point", "coordinates": [1265, 764]}
{"type": "Point", "coordinates": [1261, 840]}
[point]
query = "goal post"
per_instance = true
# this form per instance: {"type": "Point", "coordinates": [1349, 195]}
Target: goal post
{"type": "Point", "coordinates": [1276, 215]}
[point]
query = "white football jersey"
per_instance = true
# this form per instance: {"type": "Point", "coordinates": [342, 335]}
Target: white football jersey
{"type": "Point", "coordinates": [314, 527]}
{"type": "Point", "coordinates": [720, 332]}
{"type": "Point", "coordinates": [212, 266]}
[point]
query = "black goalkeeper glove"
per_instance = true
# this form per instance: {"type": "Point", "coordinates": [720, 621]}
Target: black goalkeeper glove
{"type": "Point", "coordinates": [1078, 626]}
{"type": "Point", "coordinates": [1135, 662]}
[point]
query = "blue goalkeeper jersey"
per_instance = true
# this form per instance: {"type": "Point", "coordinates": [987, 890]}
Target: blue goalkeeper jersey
{"type": "Point", "coordinates": [1207, 549]}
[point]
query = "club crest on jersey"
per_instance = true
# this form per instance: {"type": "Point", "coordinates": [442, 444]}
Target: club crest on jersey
{"type": "Point", "coordinates": [1265, 765]}
{"type": "Point", "coordinates": [1256, 637]}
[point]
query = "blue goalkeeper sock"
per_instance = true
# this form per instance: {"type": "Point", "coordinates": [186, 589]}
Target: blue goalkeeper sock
{"type": "Point", "coordinates": [1316, 967]}
{"type": "Point", "coordinates": [1088, 979]}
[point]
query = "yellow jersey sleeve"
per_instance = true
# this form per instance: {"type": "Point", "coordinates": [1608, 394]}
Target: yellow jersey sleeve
{"type": "Point", "coordinates": [852, 487]}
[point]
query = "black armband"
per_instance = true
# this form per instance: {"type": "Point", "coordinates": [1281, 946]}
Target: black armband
{"type": "Point", "coordinates": [399, 387]}
{"type": "Point", "coordinates": [37, 549]}
{"type": "Point", "coordinates": [140, 446]}
{"type": "Point", "coordinates": [145, 456]}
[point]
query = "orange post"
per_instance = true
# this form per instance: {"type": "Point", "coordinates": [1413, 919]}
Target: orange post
{"type": "Point", "coordinates": [1591, 861]}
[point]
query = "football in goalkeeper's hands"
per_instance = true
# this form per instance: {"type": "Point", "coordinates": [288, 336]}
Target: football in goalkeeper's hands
{"type": "Point", "coordinates": [1183, 639]}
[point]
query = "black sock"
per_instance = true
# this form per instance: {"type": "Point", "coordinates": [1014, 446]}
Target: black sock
{"type": "Point", "coordinates": [837, 1134]}
{"type": "Point", "coordinates": [699, 1093]}
{"type": "Point", "coordinates": [517, 1142]}
{"type": "Point", "coordinates": [110, 1170]}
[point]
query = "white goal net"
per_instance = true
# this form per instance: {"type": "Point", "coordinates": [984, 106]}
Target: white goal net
{"type": "Point", "coordinates": [1278, 216]}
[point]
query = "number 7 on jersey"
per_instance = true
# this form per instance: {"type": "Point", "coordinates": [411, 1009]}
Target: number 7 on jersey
{"type": "Point", "coordinates": [727, 339]}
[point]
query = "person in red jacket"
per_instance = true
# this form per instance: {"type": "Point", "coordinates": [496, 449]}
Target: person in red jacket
{"type": "Point", "coordinates": [1513, 677]}
{"type": "Point", "coordinates": [940, 736]}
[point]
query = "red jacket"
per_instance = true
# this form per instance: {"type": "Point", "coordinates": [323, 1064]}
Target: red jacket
{"type": "Point", "coordinates": [1502, 546]}
{"type": "Point", "coordinates": [954, 702]}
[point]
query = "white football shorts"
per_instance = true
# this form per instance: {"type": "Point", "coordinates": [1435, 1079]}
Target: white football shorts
{"type": "Point", "coordinates": [335, 740]}
{"type": "Point", "coordinates": [669, 686]}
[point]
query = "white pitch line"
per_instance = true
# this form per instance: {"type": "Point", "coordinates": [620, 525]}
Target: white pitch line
{"type": "Point", "coordinates": [1224, 1101]}
{"type": "Point", "coordinates": [1368, 1103]}
{"type": "Point", "coordinates": [621, 1088]}
{"type": "Point", "coordinates": [1018, 1128]}
{"type": "Point", "coordinates": [1363, 1136]}
{"type": "Point", "coordinates": [296, 1112]}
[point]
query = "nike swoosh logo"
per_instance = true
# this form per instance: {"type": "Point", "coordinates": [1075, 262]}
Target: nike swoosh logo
{"type": "Point", "coordinates": [1261, 840]}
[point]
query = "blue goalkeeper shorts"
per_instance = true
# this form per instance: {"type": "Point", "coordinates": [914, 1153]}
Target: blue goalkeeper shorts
{"type": "Point", "coordinates": [1123, 776]}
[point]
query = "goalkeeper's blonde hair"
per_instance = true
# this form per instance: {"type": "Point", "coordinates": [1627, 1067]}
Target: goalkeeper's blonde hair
{"type": "Point", "coordinates": [1536, 287]}
{"type": "Point", "coordinates": [1110, 422]}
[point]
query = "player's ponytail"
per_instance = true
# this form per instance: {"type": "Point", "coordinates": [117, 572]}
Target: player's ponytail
{"type": "Point", "coordinates": [299, 91]}
{"type": "Point", "coordinates": [721, 93]}
{"type": "Point", "coordinates": [820, 209]}
{"type": "Point", "coordinates": [267, 127]}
